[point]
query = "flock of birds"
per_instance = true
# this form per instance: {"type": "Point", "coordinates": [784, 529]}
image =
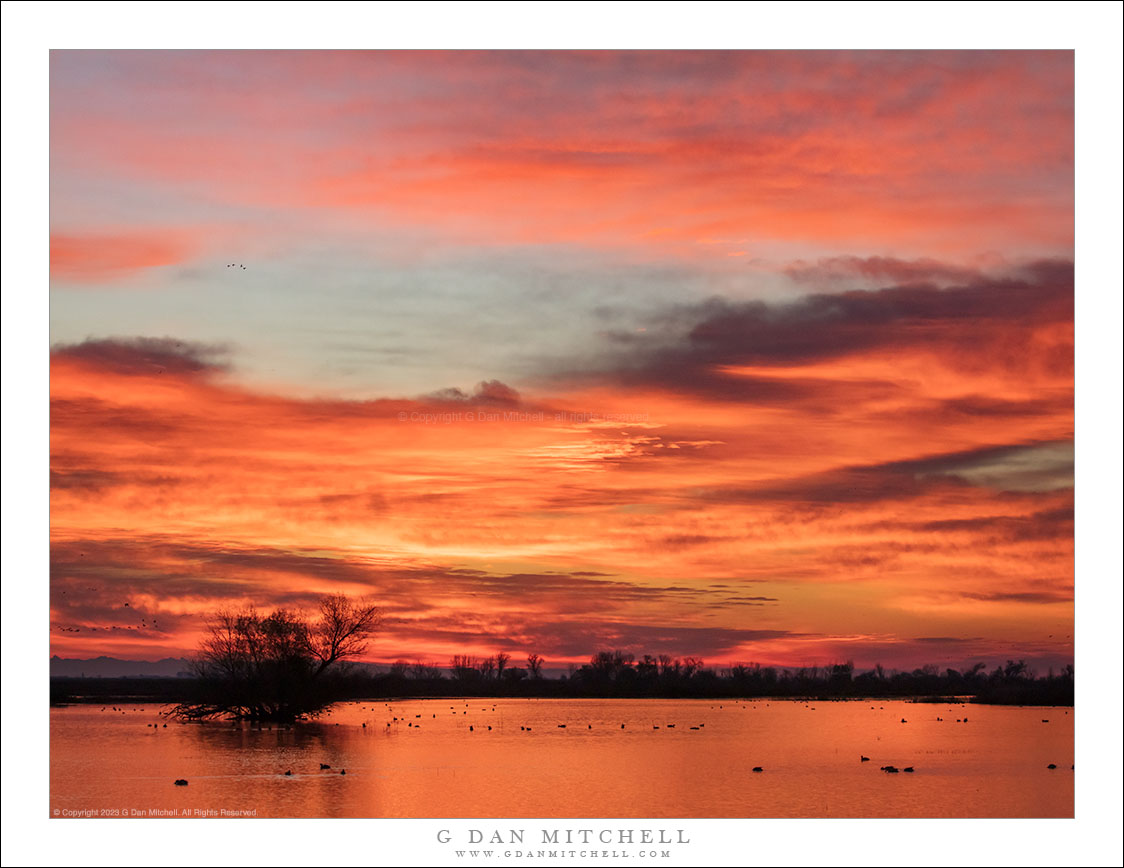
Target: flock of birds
{"type": "Point", "coordinates": [412, 724]}
{"type": "Point", "coordinates": [143, 625]}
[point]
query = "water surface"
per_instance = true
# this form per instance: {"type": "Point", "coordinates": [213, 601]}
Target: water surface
{"type": "Point", "coordinates": [514, 758]}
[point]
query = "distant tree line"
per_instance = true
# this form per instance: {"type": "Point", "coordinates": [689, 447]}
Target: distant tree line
{"type": "Point", "coordinates": [615, 673]}
{"type": "Point", "coordinates": [619, 673]}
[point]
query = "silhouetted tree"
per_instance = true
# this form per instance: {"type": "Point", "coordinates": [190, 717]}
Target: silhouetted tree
{"type": "Point", "coordinates": [534, 665]}
{"type": "Point", "coordinates": [424, 671]}
{"type": "Point", "coordinates": [399, 668]}
{"type": "Point", "coordinates": [279, 666]}
{"type": "Point", "coordinates": [464, 667]}
{"type": "Point", "coordinates": [974, 673]}
{"type": "Point", "coordinates": [691, 665]}
{"type": "Point", "coordinates": [606, 664]}
{"type": "Point", "coordinates": [1014, 670]}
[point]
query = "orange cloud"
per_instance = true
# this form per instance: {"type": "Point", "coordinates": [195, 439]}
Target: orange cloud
{"type": "Point", "coordinates": [105, 256]}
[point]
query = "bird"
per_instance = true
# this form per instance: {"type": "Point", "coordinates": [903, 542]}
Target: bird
{"type": "Point", "coordinates": [324, 766]}
{"type": "Point", "coordinates": [908, 769]}
{"type": "Point", "coordinates": [864, 759]}
{"type": "Point", "coordinates": [289, 773]}
{"type": "Point", "coordinates": [181, 782]}
{"type": "Point", "coordinates": [758, 769]}
{"type": "Point", "coordinates": [343, 771]}
{"type": "Point", "coordinates": [1051, 766]}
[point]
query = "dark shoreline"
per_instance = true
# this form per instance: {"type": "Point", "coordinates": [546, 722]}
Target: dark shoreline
{"type": "Point", "coordinates": [68, 690]}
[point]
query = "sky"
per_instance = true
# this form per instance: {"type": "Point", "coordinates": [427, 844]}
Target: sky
{"type": "Point", "coordinates": [753, 356]}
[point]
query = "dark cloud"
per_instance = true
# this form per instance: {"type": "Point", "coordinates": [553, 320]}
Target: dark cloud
{"type": "Point", "coordinates": [91, 483]}
{"type": "Point", "coordinates": [1061, 596]}
{"type": "Point", "coordinates": [170, 569]}
{"type": "Point", "coordinates": [893, 480]}
{"type": "Point", "coordinates": [845, 486]}
{"type": "Point", "coordinates": [1042, 466]}
{"type": "Point", "coordinates": [687, 540]}
{"type": "Point", "coordinates": [93, 415]}
{"type": "Point", "coordinates": [85, 480]}
{"type": "Point", "coordinates": [960, 461]}
{"type": "Point", "coordinates": [93, 580]}
{"type": "Point", "coordinates": [688, 346]}
{"type": "Point", "coordinates": [1049, 524]}
{"type": "Point", "coordinates": [881, 269]}
{"type": "Point", "coordinates": [486, 392]}
{"type": "Point", "coordinates": [146, 356]}
{"type": "Point", "coordinates": [736, 602]}
{"type": "Point", "coordinates": [999, 408]}
{"type": "Point", "coordinates": [825, 326]}
{"type": "Point", "coordinates": [576, 639]}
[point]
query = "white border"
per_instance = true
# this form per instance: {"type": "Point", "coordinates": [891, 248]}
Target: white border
{"type": "Point", "coordinates": [1093, 29]}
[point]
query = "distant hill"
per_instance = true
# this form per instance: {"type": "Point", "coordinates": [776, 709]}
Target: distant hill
{"type": "Point", "coordinates": [111, 667]}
